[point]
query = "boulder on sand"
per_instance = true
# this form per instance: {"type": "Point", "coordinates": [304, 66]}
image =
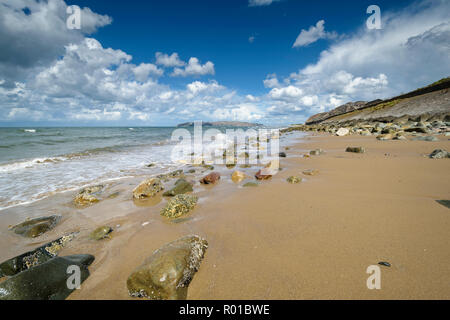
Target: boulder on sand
{"type": "Point", "coordinates": [86, 196]}
{"type": "Point", "coordinates": [148, 188]}
{"type": "Point", "coordinates": [47, 281]}
{"type": "Point", "coordinates": [316, 152]}
{"type": "Point", "coordinates": [211, 178]}
{"type": "Point", "coordinates": [35, 257]}
{"type": "Point", "coordinates": [181, 186]}
{"type": "Point", "coordinates": [342, 132]}
{"type": "Point", "coordinates": [355, 149]}
{"type": "Point", "coordinates": [179, 205]}
{"type": "Point", "coordinates": [100, 233]}
{"type": "Point", "coordinates": [310, 172]}
{"type": "Point", "coordinates": [167, 273]}
{"type": "Point", "coordinates": [238, 176]}
{"type": "Point", "coordinates": [35, 227]}
{"type": "Point", "coordinates": [264, 174]}
{"type": "Point", "coordinates": [294, 179]}
{"type": "Point", "coordinates": [439, 154]}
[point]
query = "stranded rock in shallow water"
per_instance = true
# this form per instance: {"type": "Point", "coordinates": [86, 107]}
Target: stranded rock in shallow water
{"type": "Point", "coordinates": [310, 172]}
{"type": "Point", "coordinates": [211, 178]}
{"type": "Point", "coordinates": [87, 196]}
{"type": "Point", "coordinates": [148, 188]}
{"type": "Point", "coordinates": [35, 227]}
{"type": "Point", "coordinates": [181, 186]}
{"type": "Point", "coordinates": [47, 281]}
{"type": "Point", "coordinates": [167, 273]}
{"type": "Point", "coordinates": [100, 233]}
{"type": "Point", "coordinates": [179, 205]}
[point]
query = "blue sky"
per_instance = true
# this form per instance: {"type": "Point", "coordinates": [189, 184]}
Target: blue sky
{"type": "Point", "coordinates": [165, 62]}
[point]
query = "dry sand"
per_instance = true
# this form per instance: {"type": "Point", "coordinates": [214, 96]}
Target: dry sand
{"type": "Point", "coordinates": [312, 240]}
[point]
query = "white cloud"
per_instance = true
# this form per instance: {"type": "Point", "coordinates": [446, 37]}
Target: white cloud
{"type": "Point", "coordinates": [198, 86]}
{"type": "Point", "coordinates": [251, 39]}
{"type": "Point", "coordinates": [34, 33]}
{"type": "Point", "coordinates": [289, 92]}
{"type": "Point", "coordinates": [257, 3]}
{"type": "Point", "coordinates": [313, 34]}
{"type": "Point", "coordinates": [169, 61]}
{"type": "Point", "coordinates": [271, 81]}
{"type": "Point", "coordinates": [194, 68]}
{"type": "Point", "coordinates": [144, 70]}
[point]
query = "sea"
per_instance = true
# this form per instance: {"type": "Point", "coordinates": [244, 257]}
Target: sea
{"type": "Point", "coordinates": [36, 163]}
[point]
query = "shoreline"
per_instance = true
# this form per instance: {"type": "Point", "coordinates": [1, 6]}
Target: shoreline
{"type": "Point", "coordinates": [312, 240]}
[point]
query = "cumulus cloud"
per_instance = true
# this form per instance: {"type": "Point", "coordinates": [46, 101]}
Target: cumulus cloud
{"type": "Point", "coordinates": [34, 33]}
{"type": "Point", "coordinates": [169, 61]}
{"type": "Point", "coordinates": [258, 3]}
{"type": "Point", "coordinates": [194, 68]}
{"type": "Point", "coordinates": [313, 34]}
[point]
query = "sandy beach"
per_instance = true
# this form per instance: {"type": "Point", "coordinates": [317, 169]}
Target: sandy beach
{"type": "Point", "coordinates": [312, 240]}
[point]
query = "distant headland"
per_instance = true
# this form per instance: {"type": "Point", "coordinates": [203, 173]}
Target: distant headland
{"type": "Point", "coordinates": [221, 124]}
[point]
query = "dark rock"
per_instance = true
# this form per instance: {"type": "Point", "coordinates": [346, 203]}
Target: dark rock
{"type": "Point", "coordinates": [439, 154]}
{"type": "Point", "coordinates": [445, 203]}
{"type": "Point", "coordinates": [34, 257]}
{"type": "Point", "coordinates": [282, 155]}
{"type": "Point", "coordinates": [383, 263]}
{"type": "Point", "coordinates": [416, 129]}
{"type": "Point", "coordinates": [35, 227]}
{"type": "Point", "coordinates": [179, 205]}
{"type": "Point", "coordinates": [47, 281]}
{"type": "Point", "coordinates": [181, 186]}
{"type": "Point", "coordinates": [355, 149]}
{"type": "Point", "coordinates": [167, 273]}
{"type": "Point", "coordinates": [211, 178]}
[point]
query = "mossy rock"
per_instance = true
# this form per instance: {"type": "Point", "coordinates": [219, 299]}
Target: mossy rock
{"type": "Point", "coordinates": [294, 179]}
{"type": "Point", "coordinates": [179, 205]}
{"type": "Point", "coordinates": [148, 188]}
{"type": "Point", "coordinates": [167, 273]}
{"type": "Point", "coordinates": [181, 186]}
{"type": "Point", "coordinates": [35, 227]}
{"type": "Point", "coordinates": [100, 233]}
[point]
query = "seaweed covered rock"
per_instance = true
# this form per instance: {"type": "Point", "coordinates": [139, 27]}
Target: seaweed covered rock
{"type": "Point", "coordinates": [167, 273]}
{"type": "Point", "coordinates": [179, 205]}
{"type": "Point", "coordinates": [100, 233]}
{"type": "Point", "coordinates": [47, 281]}
{"type": "Point", "coordinates": [88, 196]}
{"type": "Point", "coordinates": [35, 257]}
{"type": "Point", "coordinates": [294, 179]}
{"type": "Point", "coordinates": [148, 188]}
{"type": "Point", "coordinates": [35, 227]}
{"type": "Point", "coordinates": [211, 178]}
{"type": "Point", "coordinates": [181, 186]}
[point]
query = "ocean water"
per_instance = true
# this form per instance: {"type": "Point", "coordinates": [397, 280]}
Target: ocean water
{"type": "Point", "coordinates": [38, 162]}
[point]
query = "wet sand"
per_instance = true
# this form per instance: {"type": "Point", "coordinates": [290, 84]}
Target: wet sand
{"type": "Point", "coordinates": [312, 240]}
